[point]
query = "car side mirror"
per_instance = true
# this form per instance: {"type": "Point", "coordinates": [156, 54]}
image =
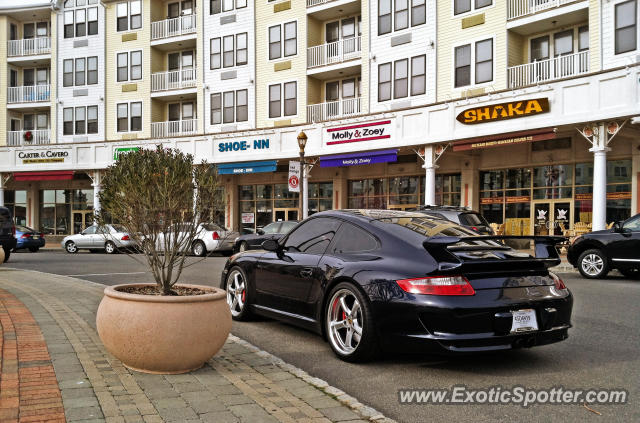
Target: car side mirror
{"type": "Point", "coordinates": [617, 227]}
{"type": "Point", "coordinates": [270, 245]}
{"type": "Point", "coordinates": [260, 231]}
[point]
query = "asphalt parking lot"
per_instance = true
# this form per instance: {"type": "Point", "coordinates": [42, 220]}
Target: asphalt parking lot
{"type": "Point", "coordinates": [601, 352]}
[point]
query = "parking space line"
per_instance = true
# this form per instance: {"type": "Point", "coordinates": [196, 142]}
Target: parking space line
{"type": "Point", "coordinates": [107, 274]}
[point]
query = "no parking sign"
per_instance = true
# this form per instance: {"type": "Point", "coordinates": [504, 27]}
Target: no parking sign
{"type": "Point", "coordinates": [294, 176]}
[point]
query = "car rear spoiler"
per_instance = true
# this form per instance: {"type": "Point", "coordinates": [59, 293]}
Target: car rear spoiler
{"type": "Point", "coordinates": [439, 248]}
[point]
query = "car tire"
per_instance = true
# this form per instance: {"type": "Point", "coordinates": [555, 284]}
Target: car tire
{"type": "Point", "coordinates": [71, 247]}
{"type": "Point", "coordinates": [110, 247]}
{"type": "Point", "coordinates": [34, 249]}
{"type": "Point", "coordinates": [630, 273]}
{"type": "Point", "coordinates": [243, 246]}
{"type": "Point", "coordinates": [198, 249]}
{"type": "Point", "coordinates": [347, 317]}
{"type": "Point", "coordinates": [593, 264]}
{"type": "Point", "coordinates": [238, 294]}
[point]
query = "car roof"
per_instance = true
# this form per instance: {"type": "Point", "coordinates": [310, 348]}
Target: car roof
{"type": "Point", "coordinates": [369, 215]}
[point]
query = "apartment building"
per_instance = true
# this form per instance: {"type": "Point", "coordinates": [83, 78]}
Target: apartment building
{"type": "Point", "coordinates": [523, 109]}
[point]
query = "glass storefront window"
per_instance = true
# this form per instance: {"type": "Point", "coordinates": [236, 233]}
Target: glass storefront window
{"type": "Point", "coordinates": [491, 180]}
{"type": "Point", "coordinates": [320, 197]}
{"type": "Point", "coordinates": [56, 208]}
{"type": "Point", "coordinates": [16, 201]}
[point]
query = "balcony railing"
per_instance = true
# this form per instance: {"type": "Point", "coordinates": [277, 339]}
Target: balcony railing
{"type": "Point", "coordinates": [334, 109]}
{"type": "Point", "coordinates": [173, 80]}
{"type": "Point", "coordinates": [311, 3]}
{"type": "Point", "coordinates": [173, 27]}
{"type": "Point", "coordinates": [547, 70]}
{"type": "Point", "coordinates": [29, 47]}
{"type": "Point", "coordinates": [173, 128]}
{"type": "Point", "coordinates": [518, 8]}
{"type": "Point", "coordinates": [38, 136]}
{"type": "Point", "coordinates": [28, 94]}
{"type": "Point", "coordinates": [335, 52]}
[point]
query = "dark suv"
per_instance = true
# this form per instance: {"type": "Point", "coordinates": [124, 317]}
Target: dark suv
{"type": "Point", "coordinates": [460, 215]}
{"type": "Point", "coordinates": [596, 253]}
{"type": "Point", "coordinates": [7, 232]}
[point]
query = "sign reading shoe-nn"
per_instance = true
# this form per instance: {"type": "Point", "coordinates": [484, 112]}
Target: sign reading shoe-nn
{"type": "Point", "coordinates": [503, 111]}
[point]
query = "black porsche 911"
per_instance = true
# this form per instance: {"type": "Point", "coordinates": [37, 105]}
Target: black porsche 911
{"type": "Point", "coordinates": [378, 280]}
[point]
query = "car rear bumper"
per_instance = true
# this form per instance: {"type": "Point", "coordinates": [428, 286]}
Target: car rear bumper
{"type": "Point", "coordinates": [30, 243]}
{"type": "Point", "coordinates": [482, 322]}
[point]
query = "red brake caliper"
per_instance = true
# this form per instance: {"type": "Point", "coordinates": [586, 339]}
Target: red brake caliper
{"type": "Point", "coordinates": [243, 294]}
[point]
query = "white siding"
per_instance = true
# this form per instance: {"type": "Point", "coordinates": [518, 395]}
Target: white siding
{"type": "Point", "coordinates": [609, 58]}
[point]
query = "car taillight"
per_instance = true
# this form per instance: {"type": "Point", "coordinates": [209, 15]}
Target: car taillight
{"type": "Point", "coordinates": [557, 281]}
{"type": "Point", "coordinates": [41, 235]}
{"type": "Point", "coordinates": [475, 228]}
{"type": "Point", "coordinates": [437, 285]}
{"type": "Point", "coordinates": [26, 236]}
{"type": "Point", "coordinates": [13, 230]}
{"type": "Point", "coordinates": [125, 238]}
{"type": "Point", "coordinates": [215, 236]}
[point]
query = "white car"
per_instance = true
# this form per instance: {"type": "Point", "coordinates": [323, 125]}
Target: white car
{"type": "Point", "coordinates": [209, 238]}
{"type": "Point", "coordinates": [109, 238]}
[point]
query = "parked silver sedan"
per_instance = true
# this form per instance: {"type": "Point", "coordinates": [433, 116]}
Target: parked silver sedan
{"type": "Point", "coordinates": [209, 238]}
{"type": "Point", "coordinates": [109, 238]}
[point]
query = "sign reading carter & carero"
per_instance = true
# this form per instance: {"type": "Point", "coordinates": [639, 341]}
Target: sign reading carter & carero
{"type": "Point", "coordinates": [43, 156]}
{"type": "Point", "coordinates": [360, 132]}
{"type": "Point", "coordinates": [503, 111]}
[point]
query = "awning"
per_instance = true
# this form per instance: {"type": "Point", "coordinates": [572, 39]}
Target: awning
{"type": "Point", "coordinates": [53, 175]}
{"type": "Point", "coordinates": [363, 158]}
{"type": "Point", "coordinates": [247, 167]}
{"type": "Point", "coordinates": [504, 139]}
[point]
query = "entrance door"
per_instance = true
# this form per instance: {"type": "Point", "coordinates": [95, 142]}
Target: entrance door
{"type": "Point", "coordinates": [81, 219]}
{"type": "Point", "coordinates": [285, 214]}
{"type": "Point", "coordinates": [551, 218]}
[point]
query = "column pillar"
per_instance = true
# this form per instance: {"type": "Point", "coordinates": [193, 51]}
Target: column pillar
{"type": "Point", "coordinates": [1, 190]}
{"type": "Point", "coordinates": [96, 192]}
{"type": "Point", "coordinates": [430, 176]}
{"type": "Point", "coordinates": [599, 202]}
{"type": "Point", "coordinates": [305, 190]}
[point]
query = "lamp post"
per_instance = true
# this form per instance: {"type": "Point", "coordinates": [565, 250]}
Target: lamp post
{"type": "Point", "coordinates": [302, 142]}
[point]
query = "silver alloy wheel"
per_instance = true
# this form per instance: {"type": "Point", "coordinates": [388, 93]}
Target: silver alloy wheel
{"type": "Point", "coordinates": [198, 249]}
{"type": "Point", "coordinates": [344, 321]}
{"type": "Point", "coordinates": [109, 247]}
{"type": "Point", "coordinates": [71, 247]}
{"type": "Point", "coordinates": [243, 246]}
{"type": "Point", "coordinates": [592, 264]}
{"type": "Point", "coordinates": [236, 292]}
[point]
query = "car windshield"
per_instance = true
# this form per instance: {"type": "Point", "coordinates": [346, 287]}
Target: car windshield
{"type": "Point", "coordinates": [271, 228]}
{"type": "Point", "coordinates": [287, 226]}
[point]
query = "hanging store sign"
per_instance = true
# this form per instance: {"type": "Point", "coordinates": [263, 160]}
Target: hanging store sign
{"type": "Point", "coordinates": [362, 132]}
{"type": "Point", "coordinates": [123, 150]}
{"type": "Point", "coordinates": [247, 167]}
{"type": "Point", "coordinates": [364, 158]}
{"type": "Point", "coordinates": [294, 176]}
{"type": "Point", "coordinates": [503, 111]}
{"type": "Point", "coordinates": [44, 156]}
{"type": "Point", "coordinates": [504, 139]}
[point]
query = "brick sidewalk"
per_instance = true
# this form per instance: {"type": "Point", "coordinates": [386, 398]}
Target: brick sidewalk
{"type": "Point", "coordinates": [52, 361]}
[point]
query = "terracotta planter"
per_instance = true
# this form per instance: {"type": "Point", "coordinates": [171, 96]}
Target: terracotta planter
{"type": "Point", "coordinates": [1, 256]}
{"type": "Point", "coordinates": [163, 334]}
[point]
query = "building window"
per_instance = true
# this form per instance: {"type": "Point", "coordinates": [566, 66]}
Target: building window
{"type": "Point", "coordinates": [401, 14]}
{"type": "Point", "coordinates": [92, 20]}
{"type": "Point", "coordinates": [56, 208]}
{"type": "Point", "coordinates": [68, 24]}
{"type": "Point", "coordinates": [464, 6]}
{"type": "Point", "coordinates": [227, 51]}
{"type": "Point", "coordinates": [229, 107]}
{"type": "Point", "coordinates": [215, 57]}
{"type": "Point", "coordinates": [129, 122]}
{"type": "Point", "coordinates": [290, 99]}
{"type": "Point", "coordinates": [126, 72]}
{"type": "Point", "coordinates": [241, 49]}
{"type": "Point", "coordinates": [418, 75]}
{"type": "Point", "coordinates": [92, 70]}
{"type": "Point", "coordinates": [465, 74]}
{"type": "Point", "coordinates": [67, 125]}
{"type": "Point", "coordinates": [384, 82]}
{"type": "Point", "coordinates": [80, 120]}
{"type": "Point", "coordinates": [275, 103]}
{"type": "Point", "coordinates": [81, 22]}
{"type": "Point", "coordinates": [16, 202]}
{"type": "Point", "coordinates": [290, 40]}
{"type": "Point", "coordinates": [384, 17]}
{"type": "Point", "coordinates": [404, 12]}
{"type": "Point", "coordinates": [625, 27]}
{"type": "Point", "coordinates": [67, 73]}
{"type": "Point", "coordinates": [92, 119]}
{"type": "Point", "coordinates": [219, 6]}
{"type": "Point", "coordinates": [401, 80]}
{"type": "Point", "coordinates": [80, 71]}
{"type": "Point", "coordinates": [129, 15]}
{"type": "Point", "coordinates": [418, 12]}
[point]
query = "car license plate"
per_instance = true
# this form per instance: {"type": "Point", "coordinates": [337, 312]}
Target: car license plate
{"type": "Point", "coordinates": [36, 237]}
{"type": "Point", "coordinates": [524, 321]}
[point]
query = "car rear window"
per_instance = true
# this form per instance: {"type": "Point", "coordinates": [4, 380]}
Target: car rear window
{"type": "Point", "coordinates": [472, 219]}
{"type": "Point", "coordinates": [119, 228]}
{"type": "Point", "coordinates": [212, 227]}
{"type": "Point", "coordinates": [271, 228]}
{"type": "Point", "coordinates": [21, 228]}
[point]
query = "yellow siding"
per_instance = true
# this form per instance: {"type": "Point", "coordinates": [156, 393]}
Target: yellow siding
{"type": "Point", "coordinates": [53, 79]}
{"type": "Point", "coordinates": [265, 74]}
{"type": "Point", "coordinates": [4, 122]}
{"type": "Point", "coordinates": [364, 67]}
{"type": "Point", "coordinates": [114, 92]}
{"type": "Point", "coordinates": [595, 16]}
{"type": "Point", "coordinates": [451, 34]}
{"type": "Point", "coordinates": [517, 49]}
{"type": "Point", "coordinates": [198, 62]}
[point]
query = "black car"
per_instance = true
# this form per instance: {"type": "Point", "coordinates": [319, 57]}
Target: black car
{"type": "Point", "coordinates": [254, 241]}
{"type": "Point", "coordinates": [7, 232]}
{"type": "Point", "coordinates": [371, 280]}
{"type": "Point", "coordinates": [596, 253]}
{"type": "Point", "coordinates": [460, 215]}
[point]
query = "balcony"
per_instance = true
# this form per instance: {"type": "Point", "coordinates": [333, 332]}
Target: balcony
{"type": "Point", "coordinates": [28, 94]}
{"type": "Point", "coordinates": [38, 137]}
{"type": "Point", "coordinates": [174, 128]}
{"type": "Point", "coordinates": [334, 53]}
{"type": "Point", "coordinates": [334, 109]}
{"type": "Point", "coordinates": [324, 10]}
{"type": "Point", "coordinates": [520, 8]}
{"type": "Point", "coordinates": [548, 70]}
{"type": "Point", "coordinates": [162, 82]}
{"type": "Point", "coordinates": [174, 30]}
{"type": "Point", "coordinates": [34, 50]}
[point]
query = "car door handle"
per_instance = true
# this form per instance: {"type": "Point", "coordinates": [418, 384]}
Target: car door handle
{"type": "Point", "coordinates": [307, 272]}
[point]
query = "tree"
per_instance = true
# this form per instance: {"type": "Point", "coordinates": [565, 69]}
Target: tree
{"type": "Point", "coordinates": [160, 197]}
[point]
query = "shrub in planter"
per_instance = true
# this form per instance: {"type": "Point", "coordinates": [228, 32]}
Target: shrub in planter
{"type": "Point", "coordinates": [160, 197]}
